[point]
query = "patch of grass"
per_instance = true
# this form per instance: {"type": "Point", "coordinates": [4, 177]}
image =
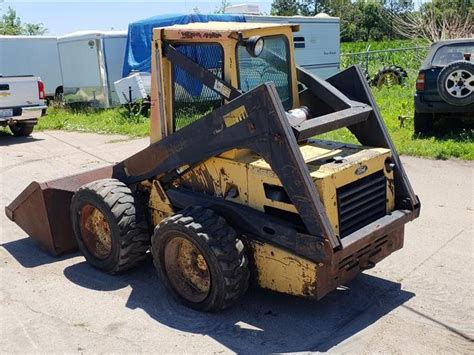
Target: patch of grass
{"type": "Point", "coordinates": [352, 47]}
{"type": "Point", "coordinates": [105, 121]}
{"type": "Point", "coordinates": [109, 121]}
{"type": "Point", "coordinates": [452, 138]}
{"type": "Point", "coordinates": [409, 60]}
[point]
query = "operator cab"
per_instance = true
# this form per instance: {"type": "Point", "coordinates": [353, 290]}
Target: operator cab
{"type": "Point", "coordinates": [245, 55]}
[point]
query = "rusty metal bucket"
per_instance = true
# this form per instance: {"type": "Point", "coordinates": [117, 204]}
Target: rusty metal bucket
{"type": "Point", "coordinates": [42, 209]}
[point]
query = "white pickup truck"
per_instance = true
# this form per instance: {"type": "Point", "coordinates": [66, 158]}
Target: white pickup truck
{"type": "Point", "coordinates": [22, 103]}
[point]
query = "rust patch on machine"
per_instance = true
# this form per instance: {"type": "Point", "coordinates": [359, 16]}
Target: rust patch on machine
{"type": "Point", "coordinates": [96, 232]}
{"type": "Point", "coordinates": [199, 179]}
{"type": "Point", "coordinates": [42, 209]}
{"type": "Point", "coordinates": [187, 269]}
{"type": "Point", "coordinates": [282, 271]}
{"type": "Point", "coordinates": [159, 203]}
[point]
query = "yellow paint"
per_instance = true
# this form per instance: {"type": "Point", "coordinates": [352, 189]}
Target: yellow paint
{"type": "Point", "coordinates": [248, 172]}
{"type": "Point", "coordinates": [159, 204]}
{"type": "Point", "coordinates": [235, 116]}
{"type": "Point", "coordinates": [281, 271]}
{"type": "Point", "coordinates": [217, 176]}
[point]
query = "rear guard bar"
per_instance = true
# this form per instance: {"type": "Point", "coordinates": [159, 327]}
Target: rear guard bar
{"type": "Point", "coordinates": [255, 120]}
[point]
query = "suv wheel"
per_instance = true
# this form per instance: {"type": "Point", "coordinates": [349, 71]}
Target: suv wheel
{"type": "Point", "coordinates": [423, 122]}
{"type": "Point", "coordinates": [456, 83]}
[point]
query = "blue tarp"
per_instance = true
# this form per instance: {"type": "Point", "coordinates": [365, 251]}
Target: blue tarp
{"type": "Point", "coordinates": [138, 50]}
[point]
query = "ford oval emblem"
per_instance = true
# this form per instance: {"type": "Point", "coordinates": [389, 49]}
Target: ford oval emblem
{"type": "Point", "coordinates": [361, 169]}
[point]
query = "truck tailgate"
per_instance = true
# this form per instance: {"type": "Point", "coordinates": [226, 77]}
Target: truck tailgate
{"type": "Point", "coordinates": [19, 91]}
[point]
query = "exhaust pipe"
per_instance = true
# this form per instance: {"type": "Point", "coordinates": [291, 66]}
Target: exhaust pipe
{"type": "Point", "coordinates": [42, 209]}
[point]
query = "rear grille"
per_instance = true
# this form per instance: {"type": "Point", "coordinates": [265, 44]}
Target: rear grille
{"type": "Point", "coordinates": [361, 202]}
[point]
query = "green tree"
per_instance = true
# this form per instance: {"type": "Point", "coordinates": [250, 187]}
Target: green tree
{"type": "Point", "coordinates": [31, 29]}
{"type": "Point", "coordinates": [10, 24]}
{"type": "Point", "coordinates": [285, 8]}
{"type": "Point", "coordinates": [437, 20]}
{"type": "Point", "coordinates": [372, 24]}
{"type": "Point", "coordinates": [361, 20]}
{"type": "Point", "coordinates": [350, 23]}
{"type": "Point", "coordinates": [221, 8]}
{"type": "Point", "coordinates": [314, 7]}
{"type": "Point", "coordinates": [398, 5]}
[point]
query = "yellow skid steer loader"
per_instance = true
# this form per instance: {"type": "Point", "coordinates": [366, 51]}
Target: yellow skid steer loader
{"type": "Point", "coordinates": [234, 185]}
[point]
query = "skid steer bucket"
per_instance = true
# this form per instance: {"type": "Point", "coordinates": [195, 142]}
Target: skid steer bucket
{"type": "Point", "coordinates": [42, 209]}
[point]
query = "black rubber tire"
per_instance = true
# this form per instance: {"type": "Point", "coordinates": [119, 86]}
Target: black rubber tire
{"type": "Point", "coordinates": [443, 77]}
{"type": "Point", "coordinates": [22, 129]}
{"type": "Point", "coordinates": [130, 238]}
{"type": "Point", "coordinates": [59, 94]}
{"type": "Point", "coordinates": [399, 73]}
{"type": "Point", "coordinates": [423, 122]}
{"type": "Point", "coordinates": [223, 252]}
{"type": "Point", "coordinates": [402, 71]}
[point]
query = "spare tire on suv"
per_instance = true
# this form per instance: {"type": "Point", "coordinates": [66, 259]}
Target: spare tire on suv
{"type": "Point", "coordinates": [456, 83]}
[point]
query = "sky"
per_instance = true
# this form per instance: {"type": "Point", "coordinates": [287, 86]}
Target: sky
{"type": "Point", "coordinates": [62, 17]}
{"type": "Point", "coordinates": [66, 16]}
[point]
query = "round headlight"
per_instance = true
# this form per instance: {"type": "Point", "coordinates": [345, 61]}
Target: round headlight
{"type": "Point", "coordinates": [255, 45]}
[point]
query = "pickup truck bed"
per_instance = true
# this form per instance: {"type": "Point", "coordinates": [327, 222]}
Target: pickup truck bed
{"type": "Point", "coordinates": [22, 103]}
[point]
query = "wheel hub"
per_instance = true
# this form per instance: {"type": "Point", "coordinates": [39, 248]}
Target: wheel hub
{"type": "Point", "coordinates": [460, 83]}
{"type": "Point", "coordinates": [187, 269]}
{"type": "Point", "coordinates": [96, 232]}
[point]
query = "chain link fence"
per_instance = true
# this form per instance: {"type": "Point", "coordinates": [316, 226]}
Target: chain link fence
{"type": "Point", "coordinates": [373, 62]}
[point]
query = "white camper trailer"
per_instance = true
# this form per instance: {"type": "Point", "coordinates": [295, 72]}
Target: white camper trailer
{"type": "Point", "coordinates": [317, 43]}
{"type": "Point", "coordinates": [32, 55]}
{"type": "Point", "coordinates": [90, 63]}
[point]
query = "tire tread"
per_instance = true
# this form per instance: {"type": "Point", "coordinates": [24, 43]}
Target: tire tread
{"type": "Point", "coordinates": [223, 242]}
{"type": "Point", "coordinates": [134, 238]}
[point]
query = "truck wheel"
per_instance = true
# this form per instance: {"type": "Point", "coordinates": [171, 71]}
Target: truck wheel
{"type": "Point", "coordinates": [109, 230]}
{"type": "Point", "coordinates": [22, 129]}
{"type": "Point", "coordinates": [200, 259]}
{"type": "Point", "coordinates": [423, 122]}
{"type": "Point", "coordinates": [456, 83]}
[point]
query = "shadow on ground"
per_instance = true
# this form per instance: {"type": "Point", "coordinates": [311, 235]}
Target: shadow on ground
{"type": "Point", "coordinates": [451, 128]}
{"type": "Point", "coordinates": [262, 321]}
{"type": "Point", "coordinates": [29, 253]}
{"type": "Point", "coordinates": [7, 139]}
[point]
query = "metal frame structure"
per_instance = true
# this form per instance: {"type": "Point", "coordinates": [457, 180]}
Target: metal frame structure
{"type": "Point", "coordinates": [266, 130]}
